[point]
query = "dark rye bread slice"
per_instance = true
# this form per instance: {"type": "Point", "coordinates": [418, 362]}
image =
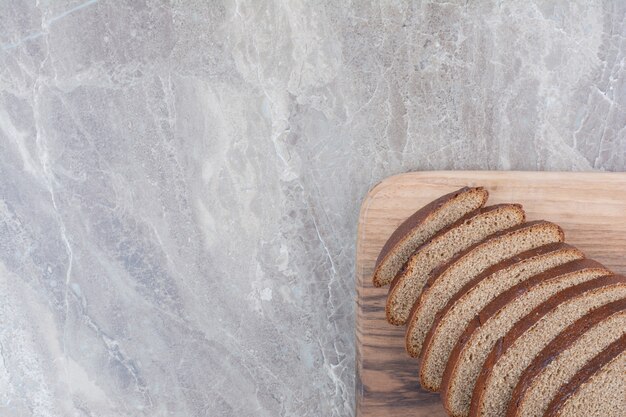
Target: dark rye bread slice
{"type": "Point", "coordinates": [445, 281]}
{"type": "Point", "coordinates": [476, 294]}
{"type": "Point", "coordinates": [598, 389]}
{"type": "Point", "coordinates": [496, 319]}
{"type": "Point", "coordinates": [423, 225]}
{"type": "Point", "coordinates": [471, 229]}
{"type": "Point", "coordinates": [514, 353]}
{"type": "Point", "coordinates": [562, 358]}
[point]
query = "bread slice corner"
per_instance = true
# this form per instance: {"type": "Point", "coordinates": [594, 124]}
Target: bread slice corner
{"type": "Point", "coordinates": [515, 351]}
{"type": "Point", "coordinates": [598, 389]}
{"type": "Point", "coordinates": [422, 225]}
{"type": "Point", "coordinates": [564, 356]}
{"type": "Point", "coordinates": [496, 319]}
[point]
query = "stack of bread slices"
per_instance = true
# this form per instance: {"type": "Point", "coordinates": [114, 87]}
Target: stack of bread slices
{"type": "Point", "coordinates": [506, 318]}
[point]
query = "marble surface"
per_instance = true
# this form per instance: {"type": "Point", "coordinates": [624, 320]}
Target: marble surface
{"type": "Point", "coordinates": [180, 180]}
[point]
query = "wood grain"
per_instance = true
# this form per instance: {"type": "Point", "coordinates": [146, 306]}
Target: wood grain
{"type": "Point", "coordinates": [591, 208]}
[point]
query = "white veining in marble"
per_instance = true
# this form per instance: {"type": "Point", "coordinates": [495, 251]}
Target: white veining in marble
{"type": "Point", "coordinates": [180, 180]}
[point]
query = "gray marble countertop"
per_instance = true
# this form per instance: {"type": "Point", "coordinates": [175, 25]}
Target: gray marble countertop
{"type": "Point", "coordinates": [180, 180]}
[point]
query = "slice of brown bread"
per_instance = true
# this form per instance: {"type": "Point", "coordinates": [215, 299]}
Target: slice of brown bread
{"type": "Point", "coordinates": [406, 287]}
{"type": "Point", "coordinates": [494, 321]}
{"type": "Point", "coordinates": [444, 282]}
{"type": "Point", "coordinates": [562, 358]}
{"type": "Point", "coordinates": [476, 294]}
{"type": "Point", "coordinates": [423, 225]}
{"type": "Point", "coordinates": [514, 353]}
{"type": "Point", "coordinates": [598, 389]}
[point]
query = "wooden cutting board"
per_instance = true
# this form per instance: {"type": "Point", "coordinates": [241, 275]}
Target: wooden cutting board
{"type": "Point", "coordinates": [591, 208]}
